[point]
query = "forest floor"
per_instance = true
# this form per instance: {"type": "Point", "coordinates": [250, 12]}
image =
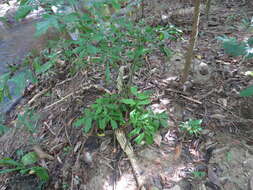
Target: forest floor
{"type": "Point", "coordinates": [221, 157]}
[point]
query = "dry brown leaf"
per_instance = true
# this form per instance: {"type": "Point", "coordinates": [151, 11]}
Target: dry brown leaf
{"type": "Point", "coordinates": [212, 176]}
{"type": "Point", "coordinates": [158, 139]}
{"type": "Point", "coordinates": [178, 151]}
{"type": "Point", "coordinates": [41, 153]}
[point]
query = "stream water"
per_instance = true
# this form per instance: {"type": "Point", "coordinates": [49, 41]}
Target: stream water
{"type": "Point", "coordinates": [15, 44]}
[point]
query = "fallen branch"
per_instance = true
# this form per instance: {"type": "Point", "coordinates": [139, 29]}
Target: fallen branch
{"type": "Point", "coordinates": [83, 88]}
{"type": "Point", "coordinates": [127, 148]}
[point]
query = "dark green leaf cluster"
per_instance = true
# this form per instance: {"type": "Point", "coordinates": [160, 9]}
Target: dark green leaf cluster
{"type": "Point", "coordinates": [112, 112]}
{"type": "Point", "coordinates": [106, 111]}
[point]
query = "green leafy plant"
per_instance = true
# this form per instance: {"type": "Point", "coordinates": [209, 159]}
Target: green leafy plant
{"type": "Point", "coordinates": [234, 47]}
{"type": "Point", "coordinates": [105, 112]}
{"type": "Point", "coordinates": [247, 92]}
{"type": "Point", "coordinates": [193, 126]}
{"type": "Point", "coordinates": [96, 35]}
{"type": "Point", "coordinates": [199, 174]}
{"type": "Point", "coordinates": [24, 166]}
{"type": "Point", "coordinates": [113, 111]}
{"type": "Point", "coordinates": [4, 88]}
{"type": "Point", "coordinates": [247, 23]}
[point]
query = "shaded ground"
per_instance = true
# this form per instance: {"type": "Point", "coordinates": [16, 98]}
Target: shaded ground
{"type": "Point", "coordinates": [223, 152]}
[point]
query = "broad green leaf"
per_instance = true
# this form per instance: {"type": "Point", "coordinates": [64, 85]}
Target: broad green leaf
{"type": "Point", "coordinates": [23, 11]}
{"type": "Point", "coordinates": [92, 50]}
{"type": "Point", "coordinates": [195, 122]}
{"type": "Point", "coordinates": [250, 73]}
{"type": "Point", "coordinates": [249, 56]}
{"type": "Point", "coordinates": [23, 2]}
{"type": "Point", "coordinates": [24, 170]}
{"type": "Point", "coordinates": [164, 123]}
{"type": "Point", "coordinates": [29, 158]}
{"type": "Point", "coordinates": [233, 47]}
{"type": "Point", "coordinates": [112, 106]}
{"type": "Point", "coordinates": [143, 96]}
{"type": "Point", "coordinates": [149, 128]}
{"type": "Point", "coordinates": [168, 52]}
{"type": "Point", "coordinates": [3, 128]}
{"type": "Point", "coordinates": [41, 172]}
{"type": "Point", "coordinates": [144, 102]}
{"type": "Point", "coordinates": [107, 73]}
{"type": "Point", "coordinates": [128, 101]}
{"type": "Point", "coordinates": [10, 170]}
{"type": "Point", "coordinates": [134, 132]}
{"type": "Point", "coordinates": [79, 122]}
{"type": "Point", "coordinates": [247, 92]}
{"type": "Point", "coordinates": [149, 139]}
{"type": "Point", "coordinates": [102, 123]}
{"type": "Point", "coordinates": [43, 68]}
{"type": "Point", "coordinates": [87, 124]}
{"type": "Point", "coordinates": [99, 110]}
{"type": "Point", "coordinates": [139, 139]}
{"type": "Point", "coordinates": [1, 95]}
{"type": "Point", "coordinates": [250, 41]}
{"type": "Point", "coordinates": [9, 162]}
{"type": "Point", "coordinates": [43, 26]}
{"type": "Point", "coordinates": [114, 124]}
{"type": "Point", "coordinates": [70, 18]}
{"type": "Point", "coordinates": [134, 91]}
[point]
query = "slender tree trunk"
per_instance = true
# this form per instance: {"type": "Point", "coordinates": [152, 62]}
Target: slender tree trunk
{"type": "Point", "coordinates": [194, 35]}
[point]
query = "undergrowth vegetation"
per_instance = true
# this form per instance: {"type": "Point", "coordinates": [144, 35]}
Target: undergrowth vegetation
{"type": "Point", "coordinates": [95, 35]}
{"type": "Point", "coordinates": [113, 111]}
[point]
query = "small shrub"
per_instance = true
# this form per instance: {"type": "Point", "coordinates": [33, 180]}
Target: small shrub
{"type": "Point", "coordinates": [113, 111]}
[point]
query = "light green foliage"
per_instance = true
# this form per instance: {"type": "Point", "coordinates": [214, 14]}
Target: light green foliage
{"type": "Point", "coordinates": [247, 92]}
{"type": "Point", "coordinates": [107, 111]}
{"type": "Point", "coordinates": [247, 23]}
{"type": "Point", "coordinates": [112, 112]}
{"type": "Point", "coordinates": [104, 38]}
{"type": "Point", "coordinates": [193, 126]}
{"type": "Point", "coordinates": [3, 128]}
{"type": "Point", "coordinates": [229, 156]}
{"type": "Point", "coordinates": [199, 174]}
{"type": "Point", "coordinates": [26, 165]}
{"type": "Point", "coordinates": [234, 47]}
{"type": "Point", "coordinates": [4, 88]}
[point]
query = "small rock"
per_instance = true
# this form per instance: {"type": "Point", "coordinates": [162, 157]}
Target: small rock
{"type": "Point", "coordinates": [203, 68]}
{"type": "Point", "coordinates": [158, 139]}
{"type": "Point", "coordinates": [248, 163]}
{"type": "Point", "coordinates": [154, 188]}
{"type": "Point", "coordinates": [176, 187]}
{"type": "Point", "coordinates": [251, 183]}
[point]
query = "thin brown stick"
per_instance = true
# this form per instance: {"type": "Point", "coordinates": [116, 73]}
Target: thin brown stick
{"type": "Point", "coordinates": [194, 35]}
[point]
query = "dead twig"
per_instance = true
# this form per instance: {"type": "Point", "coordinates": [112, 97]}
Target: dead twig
{"type": "Point", "coordinates": [38, 95]}
{"type": "Point", "coordinates": [128, 149]}
{"type": "Point", "coordinates": [83, 88]}
{"type": "Point", "coordinates": [191, 99]}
